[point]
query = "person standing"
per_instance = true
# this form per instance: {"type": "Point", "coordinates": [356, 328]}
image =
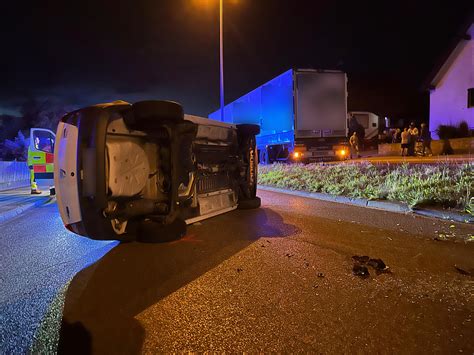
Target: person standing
{"type": "Point", "coordinates": [413, 132]}
{"type": "Point", "coordinates": [405, 139]}
{"type": "Point", "coordinates": [354, 142]}
{"type": "Point", "coordinates": [425, 136]}
{"type": "Point", "coordinates": [396, 136]}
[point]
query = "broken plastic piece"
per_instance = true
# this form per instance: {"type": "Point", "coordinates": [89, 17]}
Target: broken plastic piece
{"type": "Point", "coordinates": [361, 259]}
{"type": "Point", "coordinates": [463, 271]}
{"type": "Point", "coordinates": [377, 264]}
{"type": "Point", "coordinates": [360, 270]}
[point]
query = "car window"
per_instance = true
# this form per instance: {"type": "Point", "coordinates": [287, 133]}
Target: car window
{"type": "Point", "coordinates": [43, 141]}
{"type": "Point", "coordinates": [363, 120]}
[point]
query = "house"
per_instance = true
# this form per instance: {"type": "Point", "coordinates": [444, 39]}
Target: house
{"type": "Point", "coordinates": [451, 84]}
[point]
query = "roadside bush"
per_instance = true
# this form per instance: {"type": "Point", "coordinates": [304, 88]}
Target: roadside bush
{"type": "Point", "coordinates": [449, 185]}
{"type": "Point", "coordinates": [16, 149]}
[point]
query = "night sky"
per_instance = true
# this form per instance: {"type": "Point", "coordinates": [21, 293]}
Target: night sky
{"type": "Point", "coordinates": [84, 52]}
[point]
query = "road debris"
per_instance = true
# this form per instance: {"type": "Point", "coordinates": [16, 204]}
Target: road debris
{"type": "Point", "coordinates": [288, 255]}
{"type": "Point", "coordinates": [321, 275]}
{"type": "Point", "coordinates": [360, 270]}
{"type": "Point", "coordinates": [463, 271]}
{"type": "Point", "coordinates": [362, 261]}
{"type": "Point", "coordinates": [378, 265]}
{"type": "Point", "coordinates": [240, 269]}
{"type": "Point", "coordinates": [442, 236]}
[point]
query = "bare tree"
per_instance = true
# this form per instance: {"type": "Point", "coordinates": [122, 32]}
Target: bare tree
{"type": "Point", "coordinates": [43, 114]}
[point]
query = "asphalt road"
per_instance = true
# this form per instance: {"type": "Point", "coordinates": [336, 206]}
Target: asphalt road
{"type": "Point", "coordinates": [274, 279]}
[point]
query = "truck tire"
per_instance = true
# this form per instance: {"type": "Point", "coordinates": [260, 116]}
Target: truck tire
{"type": "Point", "coordinates": [151, 114]}
{"type": "Point", "coordinates": [263, 157]}
{"type": "Point", "coordinates": [249, 204]}
{"type": "Point", "coordinates": [154, 232]}
{"type": "Point", "coordinates": [249, 172]}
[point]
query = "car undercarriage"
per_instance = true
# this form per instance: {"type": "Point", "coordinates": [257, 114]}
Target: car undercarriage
{"type": "Point", "coordinates": [145, 171]}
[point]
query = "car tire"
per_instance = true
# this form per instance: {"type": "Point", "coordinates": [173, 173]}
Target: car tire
{"type": "Point", "coordinates": [150, 231]}
{"type": "Point", "coordinates": [249, 204]}
{"type": "Point", "coordinates": [145, 115]}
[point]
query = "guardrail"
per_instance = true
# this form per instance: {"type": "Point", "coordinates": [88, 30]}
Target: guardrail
{"type": "Point", "coordinates": [14, 174]}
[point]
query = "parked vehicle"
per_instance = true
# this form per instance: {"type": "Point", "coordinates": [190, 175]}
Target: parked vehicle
{"type": "Point", "coordinates": [41, 159]}
{"type": "Point", "coordinates": [302, 114]}
{"type": "Point", "coordinates": [370, 126]}
{"type": "Point", "coordinates": [147, 170]}
{"type": "Point", "coordinates": [369, 121]}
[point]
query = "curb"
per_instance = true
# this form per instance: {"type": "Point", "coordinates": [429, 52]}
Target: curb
{"type": "Point", "coordinates": [390, 206]}
{"type": "Point", "coordinates": [446, 215]}
{"type": "Point", "coordinates": [4, 217]}
{"type": "Point", "coordinates": [12, 186]}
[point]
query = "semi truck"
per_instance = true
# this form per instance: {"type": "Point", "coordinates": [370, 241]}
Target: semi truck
{"type": "Point", "coordinates": [302, 115]}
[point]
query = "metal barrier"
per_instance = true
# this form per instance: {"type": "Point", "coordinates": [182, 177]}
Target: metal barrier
{"type": "Point", "coordinates": [14, 174]}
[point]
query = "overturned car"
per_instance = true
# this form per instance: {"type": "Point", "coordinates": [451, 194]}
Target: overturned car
{"type": "Point", "coordinates": [146, 170]}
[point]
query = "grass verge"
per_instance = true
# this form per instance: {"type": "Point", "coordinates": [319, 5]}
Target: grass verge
{"type": "Point", "coordinates": [447, 185]}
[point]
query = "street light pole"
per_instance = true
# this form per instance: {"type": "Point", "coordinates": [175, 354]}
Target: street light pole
{"type": "Point", "coordinates": [221, 15]}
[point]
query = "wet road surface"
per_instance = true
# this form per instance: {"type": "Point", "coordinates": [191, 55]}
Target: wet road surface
{"type": "Point", "coordinates": [274, 279]}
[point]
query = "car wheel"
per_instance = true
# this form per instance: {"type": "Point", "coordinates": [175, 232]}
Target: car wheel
{"type": "Point", "coordinates": [249, 204]}
{"type": "Point", "coordinates": [145, 115]}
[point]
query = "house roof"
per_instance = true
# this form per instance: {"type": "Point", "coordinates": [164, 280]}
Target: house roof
{"type": "Point", "coordinates": [449, 56]}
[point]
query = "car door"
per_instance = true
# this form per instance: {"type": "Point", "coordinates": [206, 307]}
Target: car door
{"type": "Point", "coordinates": [41, 153]}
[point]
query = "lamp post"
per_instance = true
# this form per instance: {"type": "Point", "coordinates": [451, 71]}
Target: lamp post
{"type": "Point", "coordinates": [221, 55]}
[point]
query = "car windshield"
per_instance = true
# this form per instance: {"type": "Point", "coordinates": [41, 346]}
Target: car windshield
{"type": "Point", "coordinates": [44, 141]}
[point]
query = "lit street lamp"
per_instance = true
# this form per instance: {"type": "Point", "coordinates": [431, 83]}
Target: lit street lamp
{"type": "Point", "coordinates": [221, 55]}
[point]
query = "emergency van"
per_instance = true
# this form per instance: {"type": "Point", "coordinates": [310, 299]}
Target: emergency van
{"type": "Point", "coordinates": [41, 159]}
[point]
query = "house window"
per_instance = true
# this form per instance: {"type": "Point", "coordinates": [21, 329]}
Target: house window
{"type": "Point", "coordinates": [470, 97]}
